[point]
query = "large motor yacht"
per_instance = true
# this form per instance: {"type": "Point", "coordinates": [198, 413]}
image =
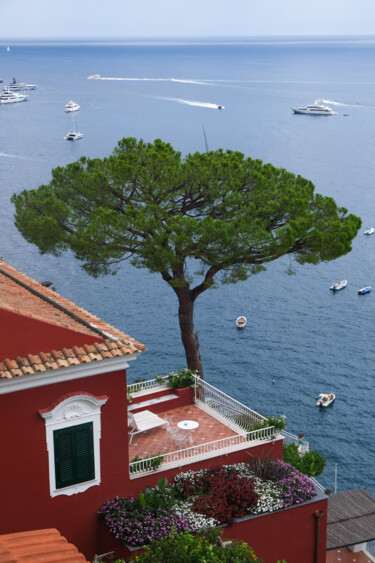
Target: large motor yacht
{"type": "Point", "coordinates": [17, 86]}
{"type": "Point", "coordinates": [9, 97]}
{"type": "Point", "coordinates": [317, 108]}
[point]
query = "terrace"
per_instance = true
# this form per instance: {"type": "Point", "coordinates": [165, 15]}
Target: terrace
{"type": "Point", "coordinates": [202, 423]}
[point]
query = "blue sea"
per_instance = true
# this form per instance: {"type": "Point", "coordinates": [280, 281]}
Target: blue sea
{"type": "Point", "coordinates": [301, 338]}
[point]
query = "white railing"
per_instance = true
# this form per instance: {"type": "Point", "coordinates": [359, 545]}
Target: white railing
{"type": "Point", "coordinates": [145, 385]}
{"type": "Point", "coordinates": [201, 451]}
{"type": "Point", "coordinates": [215, 402]}
{"type": "Point", "coordinates": [317, 484]}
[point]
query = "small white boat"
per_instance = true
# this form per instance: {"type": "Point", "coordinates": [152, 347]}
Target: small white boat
{"type": "Point", "coordinates": [9, 97]}
{"type": "Point", "coordinates": [316, 108]}
{"type": "Point", "coordinates": [369, 231]}
{"type": "Point", "coordinates": [241, 321]}
{"type": "Point", "coordinates": [71, 106]}
{"type": "Point", "coordinates": [93, 77]}
{"type": "Point", "coordinates": [220, 107]}
{"type": "Point", "coordinates": [325, 399]}
{"type": "Point", "coordinates": [339, 285]}
{"type": "Point", "coordinates": [364, 290]}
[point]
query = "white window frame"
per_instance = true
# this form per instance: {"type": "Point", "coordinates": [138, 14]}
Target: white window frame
{"type": "Point", "coordinates": [75, 410]}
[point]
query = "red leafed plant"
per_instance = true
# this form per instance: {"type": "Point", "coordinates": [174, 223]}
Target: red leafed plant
{"type": "Point", "coordinates": [224, 496]}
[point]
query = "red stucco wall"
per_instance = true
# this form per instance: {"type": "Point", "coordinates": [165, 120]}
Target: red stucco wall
{"type": "Point", "coordinates": [24, 480]}
{"type": "Point", "coordinates": [289, 534]}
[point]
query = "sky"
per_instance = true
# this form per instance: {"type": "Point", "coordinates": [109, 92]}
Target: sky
{"type": "Point", "coordinates": [131, 19]}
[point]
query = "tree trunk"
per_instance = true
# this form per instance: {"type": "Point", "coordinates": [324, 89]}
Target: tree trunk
{"type": "Point", "coordinates": [188, 336]}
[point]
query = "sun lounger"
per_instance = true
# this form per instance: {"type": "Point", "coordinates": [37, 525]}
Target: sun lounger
{"type": "Point", "coordinates": [144, 420]}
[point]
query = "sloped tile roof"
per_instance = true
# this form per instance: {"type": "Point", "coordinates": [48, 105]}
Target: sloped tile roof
{"type": "Point", "coordinates": [23, 295]}
{"type": "Point", "coordinates": [351, 518]}
{"type": "Point", "coordinates": [44, 546]}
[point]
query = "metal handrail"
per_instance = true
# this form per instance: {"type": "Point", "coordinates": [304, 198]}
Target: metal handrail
{"type": "Point", "coordinates": [201, 451]}
{"type": "Point", "coordinates": [215, 401]}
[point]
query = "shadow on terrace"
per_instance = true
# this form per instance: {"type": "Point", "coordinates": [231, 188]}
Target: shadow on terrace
{"type": "Point", "coordinates": [174, 427]}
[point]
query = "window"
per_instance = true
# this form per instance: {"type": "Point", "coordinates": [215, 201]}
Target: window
{"type": "Point", "coordinates": [74, 455]}
{"type": "Point", "coordinates": [73, 443]}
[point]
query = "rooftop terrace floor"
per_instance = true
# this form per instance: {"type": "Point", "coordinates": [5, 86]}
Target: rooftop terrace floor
{"type": "Point", "coordinates": [158, 440]}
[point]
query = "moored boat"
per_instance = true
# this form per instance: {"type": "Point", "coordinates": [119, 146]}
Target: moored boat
{"type": "Point", "coordinates": [369, 231]}
{"type": "Point", "coordinates": [241, 321]}
{"type": "Point", "coordinates": [325, 399]}
{"type": "Point", "coordinates": [364, 290]}
{"type": "Point", "coordinates": [339, 285]}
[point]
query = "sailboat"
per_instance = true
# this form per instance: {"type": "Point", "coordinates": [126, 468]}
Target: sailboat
{"type": "Point", "coordinates": [8, 48]}
{"type": "Point", "coordinates": [74, 135]}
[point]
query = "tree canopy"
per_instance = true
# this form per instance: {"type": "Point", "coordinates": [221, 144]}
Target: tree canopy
{"type": "Point", "coordinates": [197, 220]}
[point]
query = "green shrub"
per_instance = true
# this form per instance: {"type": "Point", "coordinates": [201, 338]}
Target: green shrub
{"type": "Point", "coordinates": [188, 548]}
{"type": "Point", "coordinates": [310, 463]}
{"type": "Point", "coordinates": [180, 379]}
{"type": "Point", "coordinates": [160, 496]}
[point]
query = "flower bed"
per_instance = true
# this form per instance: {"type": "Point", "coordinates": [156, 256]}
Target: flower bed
{"type": "Point", "coordinates": [199, 500]}
{"type": "Point", "coordinates": [136, 526]}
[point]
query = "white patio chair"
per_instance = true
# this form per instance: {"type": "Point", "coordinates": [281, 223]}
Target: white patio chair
{"type": "Point", "coordinates": [143, 421]}
{"type": "Point", "coordinates": [179, 438]}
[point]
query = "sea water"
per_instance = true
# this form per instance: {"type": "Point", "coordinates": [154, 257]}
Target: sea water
{"type": "Point", "coordinates": [301, 338]}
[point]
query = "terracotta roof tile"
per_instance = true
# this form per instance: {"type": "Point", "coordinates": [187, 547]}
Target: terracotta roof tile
{"type": "Point", "coordinates": [22, 294]}
{"type": "Point", "coordinates": [44, 546]}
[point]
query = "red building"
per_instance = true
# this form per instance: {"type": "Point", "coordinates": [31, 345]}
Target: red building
{"type": "Point", "coordinates": [65, 420]}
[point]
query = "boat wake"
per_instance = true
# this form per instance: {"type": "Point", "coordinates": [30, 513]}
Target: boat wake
{"type": "Point", "coordinates": [356, 105]}
{"type": "Point", "coordinates": [180, 80]}
{"type": "Point", "coordinates": [5, 154]}
{"type": "Point", "coordinates": [333, 103]}
{"type": "Point", "coordinates": [193, 103]}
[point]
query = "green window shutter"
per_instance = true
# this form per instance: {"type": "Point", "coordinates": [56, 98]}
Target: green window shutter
{"type": "Point", "coordinates": [74, 455]}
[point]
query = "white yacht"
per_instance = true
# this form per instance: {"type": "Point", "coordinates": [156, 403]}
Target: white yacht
{"type": "Point", "coordinates": [73, 136]}
{"type": "Point", "coordinates": [16, 86]}
{"type": "Point", "coordinates": [94, 76]}
{"type": "Point", "coordinates": [71, 106]}
{"type": "Point", "coordinates": [317, 108]}
{"type": "Point", "coordinates": [9, 97]}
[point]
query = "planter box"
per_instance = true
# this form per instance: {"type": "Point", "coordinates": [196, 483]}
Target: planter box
{"type": "Point", "coordinates": [107, 543]}
{"type": "Point", "coordinates": [293, 534]}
